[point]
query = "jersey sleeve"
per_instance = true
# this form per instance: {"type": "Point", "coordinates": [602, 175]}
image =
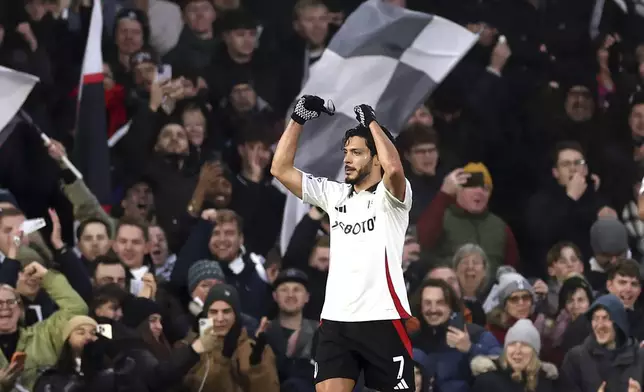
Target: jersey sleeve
{"type": "Point", "coordinates": [319, 191]}
{"type": "Point", "coordinates": [391, 202]}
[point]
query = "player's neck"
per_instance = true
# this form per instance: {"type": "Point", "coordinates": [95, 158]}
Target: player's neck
{"type": "Point", "coordinates": [367, 183]}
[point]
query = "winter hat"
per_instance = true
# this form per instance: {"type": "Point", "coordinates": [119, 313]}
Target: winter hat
{"type": "Point", "coordinates": [525, 332]}
{"type": "Point", "coordinates": [223, 292]}
{"type": "Point", "coordinates": [202, 270]}
{"type": "Point", "coordinates": [608, 236]}
{"type": "Point", "coordinates": [616, 311]}
{"type": "Point", "coordinates": [137, 15]}
{"type": "Point", "coordinates": [8, 197]}
{"type": "Point", "coordinates": [291, 275]}
{"type": "Point", "coordinates": [511, 282]}
{"type": "Point", "coordinates": [478, 167]}
{"type": "Point", "coordinates": [570, 286]}
{"type": "Point", "coordinates": [137, 310]}
{"type": "Point", "coordinates": [142, 56]}
{"type": "Point", "coordinates": [76, 322]}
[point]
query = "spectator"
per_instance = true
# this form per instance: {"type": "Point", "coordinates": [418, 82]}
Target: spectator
{"type": "Point", "coordinates": [41, 340]}
{"type": "Point", "coordinates": [519, 364]}
{"type": "Point", "coordinates": [445, 226]}
{"type": "Point", "coordinates": [515, 300]}
{"type": "Point", "coordinates": [471, 267]}
{"type": "Point", "coordinates": [419, 146]}
{"type": "Point", "coordinates": [290, 335]}
{"type": "Point", "coordinates": [563, 259]}
{"type": "Point", "coordinates": [131, 34]}
{"type": "Point", "coordinates": [566, 209]}
{"type": "Point", "coordinates": [609, 342]}
{"type": "Point", "coordinates": [197, 42]}
{"type": "Point", "coordinates": [575, 298]}
{"type": "Point", "coordinates": [239, 362]}
{"type": "Point", "coordinates": [609, 241]}
{"type": "Point", "coordinates": [162, 260]}
{"type": "Point", "coordinates": [107, 302]}
{"type": "Point", "coordinates": [94, 239]}
{"type": "Point", "coordinates": [441, 344]}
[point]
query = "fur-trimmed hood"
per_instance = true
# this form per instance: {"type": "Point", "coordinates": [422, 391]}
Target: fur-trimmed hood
{"type": "Point", "coordinates": [484, 364]}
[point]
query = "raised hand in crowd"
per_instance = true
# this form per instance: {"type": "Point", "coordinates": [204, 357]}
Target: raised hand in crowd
{"type": "Point", "coordinates": [540, 289]}
{"type": "Point", "coordinates": [56, 150]}
{"type": "Point", "coordinates": [260, 342]}
{"type": "Point", "coordinates": [149, 287]}
{"type": "Point", "coordinates": [209, 215]}
{"type": "Point", "coordinates": [207, 342]}
{"type": "Point", "coordinates": [500, 55]}
{"type": "Point", "coordinates": [35, 270]}
{"type": "Point", "coordinates": [453, 181]}
{"type": "Point", "coordinates": [56, 231]}
{"type": "Point", "coordinates": [576, 186]}
{"type": "Point", "coordinates": [9, 375]}
{"type": "Point", "coordinates": [458, 339]}
{"type": "Point", "coordinates": [24, 29]}
{"type": "Point", "coordinates": [212, 186]}
{"type": "Point", "coordinates": [257, 160]}
{"type": "Point", "coordinates": [634, 386]}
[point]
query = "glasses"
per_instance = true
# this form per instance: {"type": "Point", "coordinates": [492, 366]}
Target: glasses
{"type": "Point", "coordinates": [515, 299]}
{"type": "Point", "coordinates": [569, 164]}
{"type": "Point", "coordinates": [9, 303]}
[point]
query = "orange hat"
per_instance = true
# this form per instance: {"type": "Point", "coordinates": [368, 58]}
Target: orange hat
{"type": "Point", "coordinates": [479, 167]}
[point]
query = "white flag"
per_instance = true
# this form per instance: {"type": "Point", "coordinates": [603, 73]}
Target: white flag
{"type": "Point", "coordinates": [14, 89]}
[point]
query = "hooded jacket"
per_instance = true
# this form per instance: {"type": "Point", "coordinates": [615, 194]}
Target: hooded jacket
{"type": "Point", "coordinates": [586, 366]}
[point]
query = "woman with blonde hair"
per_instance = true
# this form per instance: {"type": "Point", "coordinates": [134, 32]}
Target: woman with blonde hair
{"type": "Point", "coordinates": [518, 368]}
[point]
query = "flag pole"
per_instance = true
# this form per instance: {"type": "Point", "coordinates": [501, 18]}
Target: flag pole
{"type": "Point", "coordinates": [47, 141]}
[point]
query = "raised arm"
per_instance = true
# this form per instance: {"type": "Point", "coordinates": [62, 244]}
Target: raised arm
{"type": "Point", "coordinates": [283, 167]}
{"type": "Point", "coordinates": [307, 108]}
{"type": "Point", "coordinates": [394, 177]}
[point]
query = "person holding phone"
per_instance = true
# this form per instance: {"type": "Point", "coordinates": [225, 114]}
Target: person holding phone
{"type": "Point", "coordinates": [459, 214]}
{"type": "Point", "coordinates": [446, 338]}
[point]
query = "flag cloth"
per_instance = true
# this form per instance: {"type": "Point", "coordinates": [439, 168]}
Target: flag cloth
{"type": "Point", "coordinates": [385, 56]}
{"type": "Point", "coordinates": [15, 87]}
{"type": "Point", "coordinates": [91, 153]}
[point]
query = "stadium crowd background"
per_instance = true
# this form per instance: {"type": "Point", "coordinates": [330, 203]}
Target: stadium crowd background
{"type": "Point", "coordinates": [527, 276]}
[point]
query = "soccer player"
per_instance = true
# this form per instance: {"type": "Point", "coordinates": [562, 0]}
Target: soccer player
{"type": "Point", "coordinates": [362, 326]}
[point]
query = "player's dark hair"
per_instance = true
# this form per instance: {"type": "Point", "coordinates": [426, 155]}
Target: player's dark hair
{"type": "Point", "coordinates": [83, 225]}
{"type": "Point", "coordinates": [9, 212]}
{"type": "Point", "coordinates": [365, 133]}
{"type": "Point", "coordinates": [135, 222]}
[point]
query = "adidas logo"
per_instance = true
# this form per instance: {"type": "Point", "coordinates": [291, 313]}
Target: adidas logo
{"type": "Point", "coordinates": [402, 385]}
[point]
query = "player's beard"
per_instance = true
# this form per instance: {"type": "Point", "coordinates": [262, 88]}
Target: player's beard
{"type": "Point", "coordinates": [362, 173]}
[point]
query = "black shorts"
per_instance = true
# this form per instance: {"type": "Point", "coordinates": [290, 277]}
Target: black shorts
{"type": "Point", "coordinates": [381, 349]}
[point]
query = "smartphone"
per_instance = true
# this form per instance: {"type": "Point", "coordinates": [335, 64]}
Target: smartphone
{"type": "Point", "coordinates": [32, 225]}
{"type": "Point", "coordinates": [164, 73]}
{"type": "Point", "coordinates": [457, 321]}
{"type": "Point", "coordinates": [104, 330]}
{"type": "Point", "coordinates": [135, 286]}
{"type": "Point", "coordinates": [19, 359]}
{"type": "Point", "coordinates": [476, 180]}
{"type": "Point", "coordinates": [204, 324]}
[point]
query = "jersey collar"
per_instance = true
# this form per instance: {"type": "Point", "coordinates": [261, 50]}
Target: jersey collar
{"type": "Point", "coordinates": [371, 189]}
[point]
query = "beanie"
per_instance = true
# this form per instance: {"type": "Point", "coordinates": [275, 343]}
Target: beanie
{"type": "Point", "coordinates": [202, 270]}
{"type": "Point", "coordinates": [478, 167]}
{"type": "Point", "coordinates": [137, 310]}
{"type": "Point", "coordinates": [524, 331]}
{"type": "Point", "coordinates": [223, 292]}
{"type": "Point", "coordinates": [570, 286]}
{"type": "Point", "coordinates": [511, 282]}
{"type": "Point", "coordinates": [608, 236]}
{"type": "Point", "coordinates": [76, 322]}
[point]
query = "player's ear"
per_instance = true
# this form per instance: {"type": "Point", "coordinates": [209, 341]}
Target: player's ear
{"type": "Point", "coordinates": [376, 161]}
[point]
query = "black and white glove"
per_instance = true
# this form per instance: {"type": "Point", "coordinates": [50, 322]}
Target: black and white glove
{"type": "Point", "coordinates": [365, 115]}
{"type": "Point", "coordinates": [307, 108]}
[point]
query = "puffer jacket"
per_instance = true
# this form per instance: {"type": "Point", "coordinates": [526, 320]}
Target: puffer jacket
{"type": "Point", "coordinates": [490, 376]}
{"type": "Point", "coordinates": [218, 373]}
{"type": "Point", "coordinates": [43, 341]}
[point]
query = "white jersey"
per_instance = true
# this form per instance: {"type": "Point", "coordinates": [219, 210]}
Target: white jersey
{"type": "Point", "coordinates": [368, 230]}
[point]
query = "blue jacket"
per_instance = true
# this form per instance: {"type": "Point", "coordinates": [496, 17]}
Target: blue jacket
{"type": "Point", "coordinates": [449, 367]}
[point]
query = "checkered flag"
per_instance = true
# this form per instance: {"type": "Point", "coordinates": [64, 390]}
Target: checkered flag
{"type": "Point", "coordinates": [387, 57]}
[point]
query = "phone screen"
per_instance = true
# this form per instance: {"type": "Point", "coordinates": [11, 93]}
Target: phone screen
{"type": "Point", "coordinates": [164, 73]}
{"type": "Point", "coordinates": [204, 324]}
{"type": "Point", "coordinates": [476, 180]}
